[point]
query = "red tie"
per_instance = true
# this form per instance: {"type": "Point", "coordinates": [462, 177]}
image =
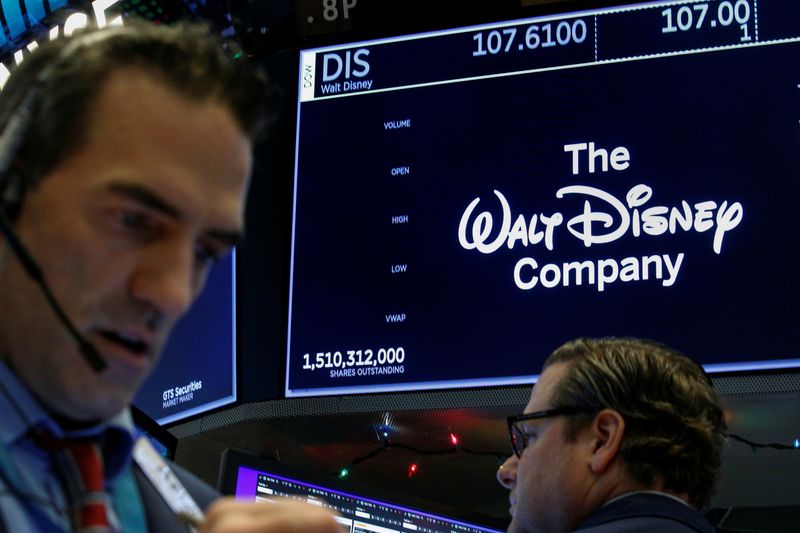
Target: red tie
{"type": "Point", "coordinates": [90, 513]}
{"type": "Point", "coordinates": [79, 463]}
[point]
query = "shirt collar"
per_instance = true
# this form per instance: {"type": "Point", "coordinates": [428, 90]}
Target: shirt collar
{"type": "Point", "coordinates": [653, 492]}
{"type": "Point", "coordinates": [22, 413]}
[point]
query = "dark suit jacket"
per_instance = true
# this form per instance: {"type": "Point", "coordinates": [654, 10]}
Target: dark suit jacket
{"type": "Point", "coordinates": [645, 512]}
{"type": "Point", "coordinates": [160, 518]}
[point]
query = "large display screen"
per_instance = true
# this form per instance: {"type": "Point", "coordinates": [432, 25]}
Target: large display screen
{"type": "Point", "coordinates": [197, 371]}
{"type": "Point", "coordinates": [467, 200]}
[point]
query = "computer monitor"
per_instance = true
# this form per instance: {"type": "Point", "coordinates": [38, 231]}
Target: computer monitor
{"type": "Point", "coordinates": [197, 370]}
{"type": "Point", "coordinates": [255, 479]}
{"type": "Point", "coordinates": [468, 199]}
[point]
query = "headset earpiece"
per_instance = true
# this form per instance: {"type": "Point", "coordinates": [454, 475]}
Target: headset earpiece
{"type": "Point", "coordinates": [15, 129]}
{"type": "Point", "coordinates": [12, 191]}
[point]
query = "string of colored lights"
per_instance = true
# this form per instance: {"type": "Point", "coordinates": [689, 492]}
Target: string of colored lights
{"type": "Point", "coordinates": [455, 447]}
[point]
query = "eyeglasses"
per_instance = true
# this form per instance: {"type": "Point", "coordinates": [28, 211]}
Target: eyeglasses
{"type": "Point", "coordinates": [519, 439]}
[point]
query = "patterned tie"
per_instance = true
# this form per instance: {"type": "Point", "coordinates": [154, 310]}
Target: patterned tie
{"type": "Point", "coordinates": [79, 463]}
{"type": "Point", "coordinates": [84, 459]}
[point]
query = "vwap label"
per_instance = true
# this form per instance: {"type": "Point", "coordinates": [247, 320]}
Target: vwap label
{"type": "Point", "coordinates": [605, 219]}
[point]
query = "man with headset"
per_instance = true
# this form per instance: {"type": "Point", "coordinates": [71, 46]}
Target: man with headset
{"type": "Point", "coordinates": [620, 435]}
{"type": "Point", "coordinates": [124, 166]}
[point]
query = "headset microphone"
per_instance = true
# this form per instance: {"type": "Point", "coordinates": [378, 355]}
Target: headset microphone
{"type": "Point", "coordinates": [86, 348]}
{"type": "Point", "coordinates": [10, 140]}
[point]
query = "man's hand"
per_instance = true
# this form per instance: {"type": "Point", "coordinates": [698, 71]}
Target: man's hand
{"type": "Point", "coordinates": [227, 515]}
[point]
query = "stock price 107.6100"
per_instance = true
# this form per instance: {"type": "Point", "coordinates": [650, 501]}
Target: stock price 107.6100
{"type": "Point", "coordinates": [535, 36]}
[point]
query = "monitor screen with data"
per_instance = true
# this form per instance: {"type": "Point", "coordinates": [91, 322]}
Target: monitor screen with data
{"type": "Point", "coordinates": [256, 479]}
{"type": "Point", "coordinates": [466, 200]}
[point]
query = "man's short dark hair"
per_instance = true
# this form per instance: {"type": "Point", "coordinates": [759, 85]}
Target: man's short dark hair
{"type": "Point", "coordinates": [674, 422]}
{"type": "Point", "coordinates": [68, 73]}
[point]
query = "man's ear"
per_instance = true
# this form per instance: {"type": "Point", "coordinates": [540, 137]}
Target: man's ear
{"type": "Point", "coordinates": [607, 429]}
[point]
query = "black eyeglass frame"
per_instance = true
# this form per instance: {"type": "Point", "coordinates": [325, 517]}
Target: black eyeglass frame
{"type": "Point", "coordinates": [549, 413]}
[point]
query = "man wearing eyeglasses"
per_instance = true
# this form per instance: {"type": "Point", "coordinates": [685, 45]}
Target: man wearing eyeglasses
{"type": "Point", "coordinates": [619, 435]}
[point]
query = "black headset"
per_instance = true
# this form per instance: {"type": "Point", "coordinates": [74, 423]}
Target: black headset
{"type": "Point", "coordinates": [12, 183]}
{"type": "Point", "coordinates": [12, 190]}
